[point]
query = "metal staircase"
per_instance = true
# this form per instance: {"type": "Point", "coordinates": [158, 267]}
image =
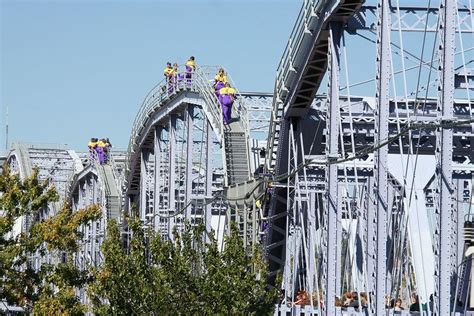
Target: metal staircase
{"type": "Point", "coordinates": [234, 137]}
{"type": "Point", "coordinates": [112, 193]}
{"type": "Point", "coordinates": [236, 148]}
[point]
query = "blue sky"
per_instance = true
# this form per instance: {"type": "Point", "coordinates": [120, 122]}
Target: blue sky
{"type": "Point", "coordinates": [75, 69]}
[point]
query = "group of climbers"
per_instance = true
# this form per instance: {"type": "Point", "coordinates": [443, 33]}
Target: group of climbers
{"type": "Point", "coordinates": [99, 149]}
{"type": "Point", "coordinates": [224, 92]}
{"type": "Point", "coordinates": [173, 77]}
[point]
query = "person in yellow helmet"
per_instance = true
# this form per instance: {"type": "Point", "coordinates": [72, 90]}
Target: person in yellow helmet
{"type": "Point", "coordinates": [101, 149]}
{"type": "Point", "coordinates": [169, 75]}
{"type": "Point", "coordinates": [92, 148]}
{"type": "Point", "coordinates": [220, 80]}
{"type": "Point", "coordinates": [226, 98]}
{"type": "Point", "coordinates": [177, 77]}
{"type": "Point", "coordinates": [106, 149]}
{"type": "Point", "coordinates": [190, 68]}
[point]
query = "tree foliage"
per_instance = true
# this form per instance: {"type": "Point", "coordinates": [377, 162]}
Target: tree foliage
{"type": "Point", "coordinates": [150, 276]}
{"type": "Point", "coordinates": [184, 276]}
{"type": "Point", "coordinates": [48, 289]}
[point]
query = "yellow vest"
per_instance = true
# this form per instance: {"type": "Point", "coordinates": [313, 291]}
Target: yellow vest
{"type": "Point", "coordinates": [92, 144]}
{"type": "Point", "coordinates": [169, 71]}
{"type": "Point", "coordinates": [227, 90]}
{"type": "Point", "coordinates": [191, 63]}
{"type": "Point", "coordinates": [221, 78]}
{"type": "Point", "coordinates": [101, 144]}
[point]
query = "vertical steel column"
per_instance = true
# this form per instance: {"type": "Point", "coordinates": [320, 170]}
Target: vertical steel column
{"type": "Point", "coordinates": [444, 155]}
{"type": "Point", "coordinates": [339, 203]}
{"type": "Point", "coordinates": [208, 163]}
{"type": "Point", "coordinates": [157, 152]}
{"type": "Point", "coordinates": [459, 232]}
{"type": "Point", "coordinates": [171, 174]}
{"type": "Point", "coordinates": [332, 150]}
{"type": "Point", "coordinates": [189, 160]}
{"type": "Point", "coordinates": [371, 237]}
{"type": "Point", "coordinates": [312, 225]}
{"type": "Point", "coordinates": [97, 232]}
{"type": "Point", "coordinates": [143, 184]}
{"type": "Point", "coordinates": [381, 155]}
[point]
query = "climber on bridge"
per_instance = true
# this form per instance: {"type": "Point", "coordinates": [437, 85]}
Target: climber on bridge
{"type": "Point", "coordinates": [226, 98]}
{"type": "Point", "coordinates": [106, 149]}
{"type": "Point", "coordinates": [190, 68]}
{"type": "Point", "coordinates": [219, 81]}
{"type": "Point", "coordinates": [177, 77]}
{"type": "Point", "coordinates": [92, 148]}
{"type": "Point", "coordinates": [169, 74]}
{"type": "Point", "coordinates": [101, 150]}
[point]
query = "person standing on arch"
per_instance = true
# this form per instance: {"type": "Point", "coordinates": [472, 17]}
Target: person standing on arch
{"type": "Point", "coordinates": [190, 68]}
{"type": "Point", "coordinates": [219, 81]}
{"type": "Point", "coordinates": [169, 75]}
{"type": "Point", "coordinates": [92, 145]}
{"type": "Point", "coordinates": [226, 98]}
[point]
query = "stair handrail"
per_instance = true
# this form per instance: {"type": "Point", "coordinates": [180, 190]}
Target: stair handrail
{"type": "Point", "coordinates": [117, 178]}
{"type": "Point", "coordinates": [208, 92]}
{"type": "Point", "coordinates": [286, 66]}
{"type": "Point", "coordinates": [240, 109]}
{"type": "Point", "coordinates": [105, 189]}
{"type": "Point", "coordinates": [277, 106]}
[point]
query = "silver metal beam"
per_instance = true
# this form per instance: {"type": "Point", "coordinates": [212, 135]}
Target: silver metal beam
{"type": "Point", "coordinates": [142, 205]}
{"type": "Point", "coordinates": [189, 160]}
{"type": "Point", "coordinates": [172, 172]}
{"type": "Point", "coordinates": [209, 171]}
{"type": "Point", "coordinates": [381, 155]}
{"type": "Point", "coordinates": [332, 149]}
{"type": "Point", "coordinates": [157, 186]}
{"type": "Point", "coordinates": [444, 212]}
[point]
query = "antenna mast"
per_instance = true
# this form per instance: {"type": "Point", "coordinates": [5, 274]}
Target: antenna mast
{"type": "Point", "coordinates": [6, 131]}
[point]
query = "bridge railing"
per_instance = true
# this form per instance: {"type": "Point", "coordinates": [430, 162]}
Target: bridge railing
{"type": "Point", "coordinates": [287, 65]}
{"type": "Point", "coordinates": [117, 178]}
{"type": "Point", "coordinates": [239, 108]}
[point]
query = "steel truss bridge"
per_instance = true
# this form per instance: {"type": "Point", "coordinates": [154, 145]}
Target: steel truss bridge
{"type": "Point", "coordinates": [364, 158]}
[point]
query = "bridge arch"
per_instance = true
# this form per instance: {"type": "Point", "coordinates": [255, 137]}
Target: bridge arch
{"type": "Point", "coordinates": [181, 155]}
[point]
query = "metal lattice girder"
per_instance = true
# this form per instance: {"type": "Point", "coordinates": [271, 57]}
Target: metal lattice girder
{"type": "Point", "coordinates": [363, 124]}
{"type": "Point", "coordinates": [259, 107]}
{"type": "Point", "coordinates": [304, 60]}
{"type": "Point", "coordinates": [413, 19]}
{"type": "Point", "coordinates": [444, 207]}
{"type": "Point", "coordinates": [54, 162]}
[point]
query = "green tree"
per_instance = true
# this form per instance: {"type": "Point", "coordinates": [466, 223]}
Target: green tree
{"type": "Point", "coordinates": [183, 276]}
{"type": "Point", "coordinates": [126, 284]}
{"type": "Point", "coordinates": [50, 289]}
